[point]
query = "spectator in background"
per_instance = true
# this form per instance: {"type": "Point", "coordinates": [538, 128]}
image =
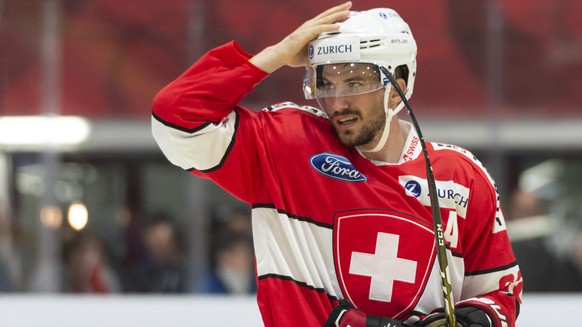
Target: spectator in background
{"type": "Point", "coordinates": [162, 269]}
{"type": "Point", "coordinates": [232, 217]}
{"type": "Point", "coordinates": [87, 266]}
{"type": "Point", "coordinates": [545, 225]}
{"type": "Point", "coordinates": [232, 255]}
{"type": "Point", "coordinates": [233, 270]}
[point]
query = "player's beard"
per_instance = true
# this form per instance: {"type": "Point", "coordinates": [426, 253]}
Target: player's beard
{"type": "Point", "coordinates": [371, 128]}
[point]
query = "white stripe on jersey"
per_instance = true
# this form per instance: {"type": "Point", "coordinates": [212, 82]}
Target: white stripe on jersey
{"type": "Point", "coordinates": [293, 248]}
{"type": "Point", "coordinates": [202, 150]}
{"type": "Point", "coordinates": [480, 284]}
{"type": "Point", "coordinates": [432, 297]}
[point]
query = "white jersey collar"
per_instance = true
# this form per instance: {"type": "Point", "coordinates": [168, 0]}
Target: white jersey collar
{"type": "Point", "coordinates": [411, 149]}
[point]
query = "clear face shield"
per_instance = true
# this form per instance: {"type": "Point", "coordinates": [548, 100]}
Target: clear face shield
{"type": "Point", "coordinates": [329, 81]}
{"type": "Point", "coordinates": [341, 80]}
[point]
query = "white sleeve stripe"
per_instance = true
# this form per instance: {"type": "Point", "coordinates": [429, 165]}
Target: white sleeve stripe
{"type": "Point", "coordinates": [476, 285]}
{"type": "Point", "coordinates": [178, 127]}
{"type": "Point", "coordinates": [204, 149]}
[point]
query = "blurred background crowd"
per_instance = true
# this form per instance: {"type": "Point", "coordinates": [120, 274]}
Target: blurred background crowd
{"type": "Point", "coordinates": [88, 204]}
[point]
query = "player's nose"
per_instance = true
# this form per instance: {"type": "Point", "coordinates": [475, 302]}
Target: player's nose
{"type": "Point", "coordinates": [335, 104]}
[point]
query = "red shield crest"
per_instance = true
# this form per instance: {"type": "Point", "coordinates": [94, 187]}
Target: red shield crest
{"type": "Point", "coordinates": [383, 260]}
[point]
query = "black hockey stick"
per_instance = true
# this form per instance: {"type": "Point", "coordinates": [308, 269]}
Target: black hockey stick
{"type": "Point", "coordinates": [436, 213]}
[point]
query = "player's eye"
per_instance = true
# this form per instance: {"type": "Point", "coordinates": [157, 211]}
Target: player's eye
{"type": "Point", "coordinates": [355, 84]}
{"type": "Point", "coordinates": [328, 86]}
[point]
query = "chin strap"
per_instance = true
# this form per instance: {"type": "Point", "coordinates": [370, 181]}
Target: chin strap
{"type": "Point", "coordinates": [390, 113]}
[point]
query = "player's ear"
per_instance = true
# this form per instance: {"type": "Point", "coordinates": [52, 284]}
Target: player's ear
{"type": "Point", "coordinates": [394, 96]}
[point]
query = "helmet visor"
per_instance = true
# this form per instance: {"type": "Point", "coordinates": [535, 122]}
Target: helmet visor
{"type": "Point", "coordinates": [342, 79]}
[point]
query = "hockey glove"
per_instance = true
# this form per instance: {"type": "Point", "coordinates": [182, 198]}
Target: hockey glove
{"type": "Point", "coordinates": [344, 315]}
{"type": "Point", "coordinates": [466, 317]}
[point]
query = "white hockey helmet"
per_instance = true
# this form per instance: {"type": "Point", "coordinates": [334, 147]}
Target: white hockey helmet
{"type": "Point", "coordinates": [378, 37]}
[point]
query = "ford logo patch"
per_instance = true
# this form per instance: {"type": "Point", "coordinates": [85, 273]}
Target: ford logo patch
{"type": "Point", "coordinates": [337, 167]}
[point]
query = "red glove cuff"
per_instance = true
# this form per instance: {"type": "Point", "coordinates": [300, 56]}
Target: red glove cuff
{"type": "Point", "coordinates": [492, 310]}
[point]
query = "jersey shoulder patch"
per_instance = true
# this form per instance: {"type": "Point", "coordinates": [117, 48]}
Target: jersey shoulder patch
{"type": "Point", "coordinates": [292, 105]}
{"type": "Point", "coordinates": [457, 149]}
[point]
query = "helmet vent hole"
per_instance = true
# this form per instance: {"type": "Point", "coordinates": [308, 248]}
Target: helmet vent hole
{"type": "Point", "coordinates": [373, 43]}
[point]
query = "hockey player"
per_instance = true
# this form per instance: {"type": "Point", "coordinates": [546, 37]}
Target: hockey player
{"type": "Point", "coordinates": [340, 208]}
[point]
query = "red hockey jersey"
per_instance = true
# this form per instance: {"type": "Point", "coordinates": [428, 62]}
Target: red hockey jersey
{"type": "Point", "coordinates": [328, 223]}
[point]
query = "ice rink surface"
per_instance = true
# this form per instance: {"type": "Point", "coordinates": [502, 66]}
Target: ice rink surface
{"type": "Point", "coordinates": [209, 311]}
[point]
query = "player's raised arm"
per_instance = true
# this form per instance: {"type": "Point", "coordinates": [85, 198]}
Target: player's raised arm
{"type": "Point", "coordinates": [292, 50]}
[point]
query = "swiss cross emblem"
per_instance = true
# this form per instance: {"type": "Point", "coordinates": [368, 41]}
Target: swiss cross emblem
{"type": "Point", "coordinates": [383, 260]}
